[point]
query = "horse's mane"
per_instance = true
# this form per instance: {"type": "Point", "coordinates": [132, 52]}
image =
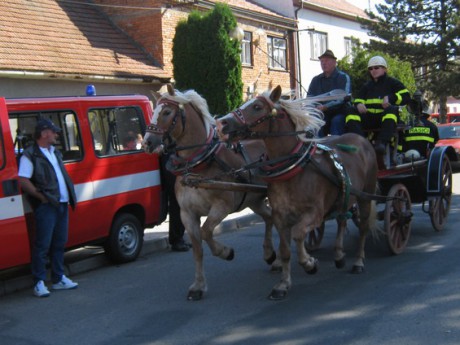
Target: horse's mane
{"type": "Point", "coordinates": [198, 102]}
{"type": "Point", "coordinates": [304, 115]}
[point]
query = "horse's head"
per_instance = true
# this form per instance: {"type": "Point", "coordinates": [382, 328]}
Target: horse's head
{"type": "Point", "coordinates": [269, 116]}
{"type": "Point", "coordinates": [251, 117]}
{"type": "Point", "coordinates": [176, 116]}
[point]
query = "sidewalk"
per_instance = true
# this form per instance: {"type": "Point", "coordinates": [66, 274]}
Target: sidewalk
{"type": "Point", "coordinates": [89, 258]}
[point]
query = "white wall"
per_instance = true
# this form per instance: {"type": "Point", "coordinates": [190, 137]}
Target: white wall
{"type": "Point", "coordinates": [337, 30]}
{"type": "Point", "coordinates": [283, 7]}
{"type": "Point", "coordinates": [15, 88]}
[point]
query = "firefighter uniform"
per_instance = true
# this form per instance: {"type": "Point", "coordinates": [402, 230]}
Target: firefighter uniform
{"type": "Point", "coordinates": [372, 96]}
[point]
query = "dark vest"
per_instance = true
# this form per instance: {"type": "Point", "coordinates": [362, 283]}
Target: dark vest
{"type": "Point", "coordinates": [45, 179]}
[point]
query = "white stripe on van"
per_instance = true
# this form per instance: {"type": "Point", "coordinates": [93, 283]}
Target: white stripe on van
{"type": "Point", "coordinates": [11, 207]}
{"type": "Point", "coordinates": [116, 185]}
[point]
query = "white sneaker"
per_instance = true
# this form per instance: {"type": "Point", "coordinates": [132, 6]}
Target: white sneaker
{"type": "Point", "coordinates": [65, 284]}
{"type": "Point", "coordinates": [40, 289]}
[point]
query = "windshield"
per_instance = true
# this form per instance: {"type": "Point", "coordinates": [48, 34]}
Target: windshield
{"type": "Point", "coordinates": [449, 132]}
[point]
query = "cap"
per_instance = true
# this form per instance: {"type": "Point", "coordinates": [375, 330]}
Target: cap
{"type": "Point", "coordinates": [328, 53]}
{"type": "Point", "coordinates": [46, 124]}
{"type": "Point", "coordinates": [377, 61]}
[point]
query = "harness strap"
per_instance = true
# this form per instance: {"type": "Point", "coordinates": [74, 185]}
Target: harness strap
{"type": "Point", "coordinates": [344, 183]}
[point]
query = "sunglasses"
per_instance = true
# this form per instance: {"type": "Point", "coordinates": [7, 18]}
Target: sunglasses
{"type": "Point", "coordinates": [374, 67]}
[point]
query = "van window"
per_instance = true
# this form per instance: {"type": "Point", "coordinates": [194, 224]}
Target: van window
{"type": "Point", "coordinates": [116, 130]}
{"type": "Point", "coordinates": [69, 141]}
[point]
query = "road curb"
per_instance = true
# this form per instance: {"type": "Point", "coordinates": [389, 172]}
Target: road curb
{"type": "Point", "coordinates": [88, 259]}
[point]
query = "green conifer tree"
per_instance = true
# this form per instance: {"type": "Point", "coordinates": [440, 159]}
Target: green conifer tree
{"type": "Point", "coordinates": [207, 60]}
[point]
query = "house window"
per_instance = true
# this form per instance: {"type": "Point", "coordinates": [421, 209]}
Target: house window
{"type": "Point", "coordinates": [246, 54]}
{"type": "Point", "coordinates": [348, 46]}
{"type": "Point", "coordinates": [276, 48]}
{"type": "Point", "coordinates": [318, 44]}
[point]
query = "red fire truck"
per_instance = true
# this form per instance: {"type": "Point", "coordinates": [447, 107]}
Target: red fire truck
{"type": "Point", "coordinates": [117, 184]}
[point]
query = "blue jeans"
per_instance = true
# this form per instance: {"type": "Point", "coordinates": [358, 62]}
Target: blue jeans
{"type": "Point", "coordinates": [334, 126]}
{"type": "Point", "coordinates": [51, 229]}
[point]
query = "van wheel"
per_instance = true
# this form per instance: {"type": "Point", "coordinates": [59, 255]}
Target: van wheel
{"type": "Point", "coordinates": [125, 240]}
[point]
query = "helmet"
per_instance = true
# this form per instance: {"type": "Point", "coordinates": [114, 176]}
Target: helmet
{"type": "Point", "coordinates": [426, 108]}
{"type": "Point", "coordinates": [412, 155]}
{"type": "Point", "coordinates": [377, 61]}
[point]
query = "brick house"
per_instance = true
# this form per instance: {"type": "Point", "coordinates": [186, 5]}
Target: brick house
{"type": "Point", "coordinates": [267, 34]}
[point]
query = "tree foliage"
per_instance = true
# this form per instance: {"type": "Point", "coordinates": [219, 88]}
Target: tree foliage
{"type": "Point", "coordinates": [426, 34]}
{"type": "Point", "coordinates": [207, 59]}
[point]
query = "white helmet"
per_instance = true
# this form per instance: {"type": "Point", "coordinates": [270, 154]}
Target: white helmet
{"type": "Point", "coordinates": [377, 61]}
{"type": "Point", "coordinates": [412, 155]}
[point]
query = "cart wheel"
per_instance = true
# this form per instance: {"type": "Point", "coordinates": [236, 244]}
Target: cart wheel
{"type": "Point", "coordinates": [397, 218]}
{"type": "Point", "coordinates": [440, 206]}
{"type": "Point", "coordinates": [314, 238]}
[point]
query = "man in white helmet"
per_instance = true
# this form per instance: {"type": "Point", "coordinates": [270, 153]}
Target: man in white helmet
{"type": "Point", "coordinates": [376, 105]}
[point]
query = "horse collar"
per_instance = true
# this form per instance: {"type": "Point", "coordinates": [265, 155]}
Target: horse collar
{"type": "Point", "coordinates": [179, 166]}
{"type": "Point", "coordinates": [288, 166]}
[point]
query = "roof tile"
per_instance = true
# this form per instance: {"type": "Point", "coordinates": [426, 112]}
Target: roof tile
{"type": "Point", "coordinates": [68, 38]}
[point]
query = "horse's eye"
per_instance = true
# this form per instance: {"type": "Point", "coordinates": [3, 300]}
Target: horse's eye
{"type": "Point", "coordinates": [257, 107]}
{"type": "Point", "coordinates": [167, 112]}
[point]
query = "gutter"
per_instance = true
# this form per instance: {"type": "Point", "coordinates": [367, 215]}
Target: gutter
{"type": "Point", "coordinates": [79, 77]}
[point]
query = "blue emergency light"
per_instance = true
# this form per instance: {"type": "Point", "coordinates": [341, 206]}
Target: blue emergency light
{"type": "Point", "coordinates": [90, 90]}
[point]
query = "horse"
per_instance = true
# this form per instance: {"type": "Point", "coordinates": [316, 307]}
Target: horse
{"type": "Point", "coordinates": [182, 124]}
{"type": "Point", "coordinates": [309, 179]}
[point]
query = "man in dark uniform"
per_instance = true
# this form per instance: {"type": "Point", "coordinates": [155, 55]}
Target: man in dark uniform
{"type": "Point", "coordinates": [423, 135]}
{"type": "Point", "coordinates": [376, 105]}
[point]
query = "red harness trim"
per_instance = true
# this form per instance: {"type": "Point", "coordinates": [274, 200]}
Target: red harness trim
{"type": "Point", "coordinates": [291, 172]}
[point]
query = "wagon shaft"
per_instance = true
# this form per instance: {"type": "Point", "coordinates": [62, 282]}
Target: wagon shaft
{"type": "Point", "coordinates": [196, 182]}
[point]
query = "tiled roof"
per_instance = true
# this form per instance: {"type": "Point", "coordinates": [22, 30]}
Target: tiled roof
{"type": "Point", "coordinates": [68, 38]}
{"type": "Point", "coordinates": [250, 6]}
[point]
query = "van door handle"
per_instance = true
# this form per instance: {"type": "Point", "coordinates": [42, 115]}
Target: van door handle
{"type": "Point", "coordinates": [10, 187]}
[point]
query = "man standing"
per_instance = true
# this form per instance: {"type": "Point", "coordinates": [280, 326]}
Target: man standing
{"type": "Point", "coordinates": [331, 79]}
{"type": "Point", "coordinates": [43, 178]}
{"type": "Point", "coordinates": [377, 104]}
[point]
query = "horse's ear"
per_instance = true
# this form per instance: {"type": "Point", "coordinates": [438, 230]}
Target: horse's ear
{"type": "Point", "coordinates": [170, 89]}
{"type": "Point", "coordinates": [276, 94]}
{"type": "Point", "coordinates": [156, 95]}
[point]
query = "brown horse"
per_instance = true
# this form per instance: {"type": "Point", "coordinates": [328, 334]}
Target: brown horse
{"type": "Point", "coordinates": [182, 122]}
{"type": "Point", "coordinates": [308, 180]}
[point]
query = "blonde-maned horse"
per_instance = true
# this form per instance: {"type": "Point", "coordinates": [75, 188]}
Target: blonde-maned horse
{"type": "Point", "coordinates": [309, 180]}
{"type": "Point", "coordinates": [181, 121]}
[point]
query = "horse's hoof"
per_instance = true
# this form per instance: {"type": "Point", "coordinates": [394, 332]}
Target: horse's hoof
{"type": "Point", "coordinates": [277, 295]}
{"type": "Point", "coordinates": [195, 295]}
{"type": "Point", "coordinates": [271, 259]}
{"type": "Point", "coordinates": [340, 263]}
{"type": "Point", "coordinates": [230, 255]}
{"type": "Point", "coordinates": [357, 269]}
{"type": "Point", "coordinates": [314, 269]}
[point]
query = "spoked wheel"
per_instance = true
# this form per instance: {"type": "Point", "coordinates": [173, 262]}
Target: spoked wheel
{"type": "Point", "coordinates": [314, 238]}
{"type": "Point", "coordinates": [440, 206]}
{"type": "Point", "coordinates": [397, 218]}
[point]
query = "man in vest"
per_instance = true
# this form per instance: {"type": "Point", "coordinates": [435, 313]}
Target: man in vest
{"type": "Point", "coordinates": [43, 178]}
